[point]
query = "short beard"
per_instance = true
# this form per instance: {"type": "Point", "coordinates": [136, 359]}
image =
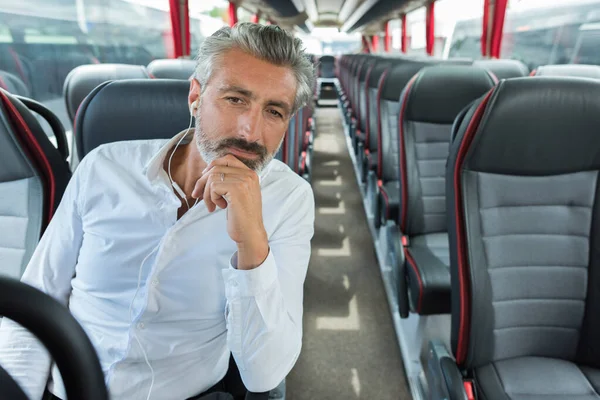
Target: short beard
{"type": "Point", "coordinates": [211, 150]}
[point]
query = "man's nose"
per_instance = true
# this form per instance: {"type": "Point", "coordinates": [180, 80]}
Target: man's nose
{"type": "Point", "coordinates": [250, 124]}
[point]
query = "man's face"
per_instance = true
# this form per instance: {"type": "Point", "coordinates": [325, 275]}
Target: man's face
{"type": "Point", "coordinates": [244, 110]}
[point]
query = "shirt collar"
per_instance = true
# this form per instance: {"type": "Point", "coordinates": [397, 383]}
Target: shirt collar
{"type": "Point", "coordinates": [154, 168]}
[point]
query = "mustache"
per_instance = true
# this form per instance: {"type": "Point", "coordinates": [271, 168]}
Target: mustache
{"type": "Point", "coordinates": [251, 147]}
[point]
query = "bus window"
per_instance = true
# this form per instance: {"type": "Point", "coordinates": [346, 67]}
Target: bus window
{"type": "Point", "coordinates": [588, 44]}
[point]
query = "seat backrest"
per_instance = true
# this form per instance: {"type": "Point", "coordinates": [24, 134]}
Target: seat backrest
{"type": "Point", "coordinates": [290, 148]}
{"type": "Point", "coordinates": [172, 69]}
{"type": "Point", "coordinates": [133, 109]}
{"type": "Point", "coordinates": [504, 68]}
{"type": "Point", "coordinates": [327, 67]}
{"type": "Point", "coordinates": [33, 177]}
{"type": "Point", "coordinates": [374, 89]}
{"type": "Point", "coordinates": [572, 70]}
{"type": "Point", "coordinates": [522, 181]}
{"type": "Point", "coordinates": [389, 108]}
{"type": "Point", "coordinates": [362, 91]}
{"type": "Point", "coordinates": [428, 106]}
{"type": "Point", "coordinates": [13, 84]}
{"type": "Point", "coordinates": [83, 79]}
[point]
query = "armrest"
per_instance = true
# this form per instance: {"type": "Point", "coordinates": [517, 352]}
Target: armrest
{"type": "Point", "coordinates": [399, 262]}
{"type": "Point", "coordinates": [445, 379]}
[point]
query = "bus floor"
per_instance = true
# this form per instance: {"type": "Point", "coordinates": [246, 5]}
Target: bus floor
{"type": "Point", "coordinates": [350, 350]}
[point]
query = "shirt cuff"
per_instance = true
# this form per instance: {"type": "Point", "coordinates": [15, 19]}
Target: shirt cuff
{"type": "Point", "coordinates": [252, 282]}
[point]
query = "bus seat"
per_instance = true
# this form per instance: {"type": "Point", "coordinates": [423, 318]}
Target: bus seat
{"type": "Point", "coordinates": [504, 68]}
{"type": "Point", "coordinates": [428, 107]}
{"type": "Point", "coordinates": [172, 69]}
{"type": "Point", "coordinates": [33, 177]}
{"type": "Point", "coordinates": [523, 178]}
{"type": "Point", "coordinates": [83, 79]}
{"type": "Point", "coordinates": [573, 70]}
{"type": "Point", "coordinates": [385, 191]}
{"type": "Point", "coordinates": [326, 67]}
{"type": "Point", "coordinates": [367, 151]}
{"type": "Point", "coordinates": [110, 114]}
{"type": "Point", "coordinates": [13, 84]}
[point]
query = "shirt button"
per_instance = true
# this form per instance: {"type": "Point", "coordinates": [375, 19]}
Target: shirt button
{"type": "Point", "coordinates": [141, 325]}
{"type": "Point", "coordinates": [155, 282]}
{"type": "Point", "coordinates": [234, 283]}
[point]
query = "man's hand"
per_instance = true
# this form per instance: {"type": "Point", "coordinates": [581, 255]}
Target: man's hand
{"type": "Point", "coordinates": [229, 183]}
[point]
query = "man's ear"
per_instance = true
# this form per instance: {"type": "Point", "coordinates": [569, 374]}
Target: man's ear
{"type": "Point", "coordinates": [194, 93]}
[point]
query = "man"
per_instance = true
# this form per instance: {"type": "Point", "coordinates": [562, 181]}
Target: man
{"type": "Point", "coordinates": [174, 255]}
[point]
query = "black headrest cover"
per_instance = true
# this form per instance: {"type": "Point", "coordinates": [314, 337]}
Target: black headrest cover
{"type": "Point", "coordinates": [83, 79]}
{"type": "Point", "coordinates": [539, 126]}
{"type": "Point", "coordinates": [441, 92]}
{"type": "Point", "coordinates": [132, 110]}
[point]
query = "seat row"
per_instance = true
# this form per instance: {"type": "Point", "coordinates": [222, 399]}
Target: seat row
{"type": "Point", "coordinates": [481, 185]}
{"type": "Point", "coordinates": [81, 81]}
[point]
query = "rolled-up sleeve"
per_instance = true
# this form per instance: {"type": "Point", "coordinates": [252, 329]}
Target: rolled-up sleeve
{"type": "Point", "coordinates": [50, 270]}
{"type": "Point", "coordinates": [264, 304]}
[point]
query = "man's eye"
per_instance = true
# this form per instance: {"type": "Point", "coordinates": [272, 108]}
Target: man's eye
{"type": "Point", "coordinates": [234, 100]}
{"type": "Point", "coordinates": [276, 113]}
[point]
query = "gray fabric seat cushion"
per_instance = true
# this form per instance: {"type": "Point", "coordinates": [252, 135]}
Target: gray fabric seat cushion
{"type": "Point", "coordinates": [537, 378]}
{"type": "Point", "coordinates": [428, 269]}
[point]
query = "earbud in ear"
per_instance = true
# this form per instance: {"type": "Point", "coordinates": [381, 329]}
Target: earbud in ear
{"type": "Point", "coordinates": [193, 106]}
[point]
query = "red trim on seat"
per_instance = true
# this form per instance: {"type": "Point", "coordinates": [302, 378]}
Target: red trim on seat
{"type": "Point", "coordinates": [3, 84]}
{"type": "Point", "coordinates": [32, 144]}
{"type": "Point", "coordinates": [463, 273]}
{"type": "Point", "coordinates": [494, 77]}
{"type": "Point", "coordinates": [403, 174]}
{"type": "Point", "coordinates": [468, 385]}
{"type": "Point", "coordinates": [385, 198]}
{"type": "Point", "coordinates": [413, 265]}
{"type": "Point", "coordinates": [379, 152]}
{"type": "Point", "coordinates": [532, 73]}
{"type": "Point", "coordinates": [368, 122]}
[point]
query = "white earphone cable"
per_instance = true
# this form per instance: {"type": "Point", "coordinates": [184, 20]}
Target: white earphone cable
{"type": "Point", "coordinates": [153, 250]}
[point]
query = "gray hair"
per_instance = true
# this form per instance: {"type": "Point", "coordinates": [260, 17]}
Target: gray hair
{"type": "Point", "coordinates": [265, 42]}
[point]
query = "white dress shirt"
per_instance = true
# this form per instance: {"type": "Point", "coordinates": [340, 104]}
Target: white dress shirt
{"type": "Point", "coordinates": [193, 306]}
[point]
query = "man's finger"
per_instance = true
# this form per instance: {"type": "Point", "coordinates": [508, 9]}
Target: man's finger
{"type": "Point", "coordinates": [227, 161]}
{"type": "Point", "coordinates": [212, 200]}
{"type": "Point", "coordinates": [199, 187]}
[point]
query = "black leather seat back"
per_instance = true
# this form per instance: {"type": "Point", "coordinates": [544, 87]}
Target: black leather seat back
{"type": "Point", "coordinates": [504, 68]}
{"type": "Point", "coordinates": [172, 69]}
{"type": "Point", "coordinates": [13, 84]}
{"type": "Point", "coordinates": [523, 180]}
{"type": "Point", "coordinates": [428, 106]}
{"type": "Point", "coordinates": [362, 92]}
{"type": "Point", "coordinates": [374, 89]}
{"type": "Point", "coordinates": [395, 81]}
{"type": "Point", "coordinates": [327, 67]}
{"type": "Point", "coordinates": [33, 177]}
{"type": "Point", "coordinates": [83, 79]}
{"type": "Point", "coordinates": [572, 70]}
{"type": "Point", "coordinates": [132, 110]}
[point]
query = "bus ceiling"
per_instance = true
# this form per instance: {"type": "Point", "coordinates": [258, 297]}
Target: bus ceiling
{"type": "Point", "coordinates": [369, 17]}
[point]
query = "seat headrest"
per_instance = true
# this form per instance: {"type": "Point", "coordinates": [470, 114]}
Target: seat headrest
{"type": "Point", "coordinates": [132, 110]}
{"type": "Point", "coordinates": [26, 152]}
{"type": "Point", "coordinates": [13, 84]}
{"type": "Point", "coordinates": [572, 70]}
{"type": "Point", "coordinates": [505, 68]}
{"type": "Point", "coordinates": [172, 69]}
{"type": "Point", "coordinates": [378, 69]}
{"type": "Point", "coordinates": [438, 93]}
{"type": "Point", "coordinates": [83, 79]}
{"type": "Point", "coordinates": [398, 76]}
{"type": "Point", "coordinates": [536, 126]}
